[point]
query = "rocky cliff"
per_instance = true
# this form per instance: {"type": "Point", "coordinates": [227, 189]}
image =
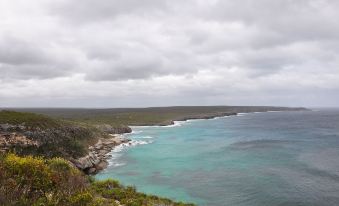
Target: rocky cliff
{"type": "Point", "coordinates": [65, 141]}
{"type": "Point", "coordinates": [96, 159]}
{"type": "Point", "coordinates": [114, 130]}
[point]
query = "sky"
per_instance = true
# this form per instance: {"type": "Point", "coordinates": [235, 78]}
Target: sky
{"type": "Point", "coordinates": [142, 53]}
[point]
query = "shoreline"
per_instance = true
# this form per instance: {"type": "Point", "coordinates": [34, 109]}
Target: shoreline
{"type": "Point", "coordinates": [169, 123]}
{"type": "Point", "coordinates": [99, 155]}
{"type": "Point", "coordinates": [97, 158]}
{"type": "Point", "coordinates": [172, 123]}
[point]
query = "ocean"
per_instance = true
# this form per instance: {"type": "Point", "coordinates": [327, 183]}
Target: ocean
{"type": "Point", "coordinates": [255, 159]}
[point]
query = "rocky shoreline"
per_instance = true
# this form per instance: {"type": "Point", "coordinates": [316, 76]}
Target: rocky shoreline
{"type": "Point", "coordinates": [96, 160]}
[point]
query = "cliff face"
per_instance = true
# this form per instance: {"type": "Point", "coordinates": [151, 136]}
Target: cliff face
{"type": "Point", "coordinates": [63, 141]}
{"type": "Point", "coordinates": [114, 130]}
{"type": "Point", "coordinates": [68, 141]}
{"type": "Point", "coordinates": [96, 159]}
{"type": "Point", "coordinates": [10, 140]}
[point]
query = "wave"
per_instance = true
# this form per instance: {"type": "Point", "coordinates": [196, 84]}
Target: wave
{"type": "Point", "coordinates": [117, 164]}
{"type": "Point", "coordinates": [143, 137]}
{"type": "Point", "coordinates": [241, 114]}
{"type": "Point", "coordinates": [115, 154]}
{"type": "Point", "coordinates": [136, 132]}
{"type": "Point", "coordinates": [220, 117]}
{"type": "Point", "coordinates": [175, 124]}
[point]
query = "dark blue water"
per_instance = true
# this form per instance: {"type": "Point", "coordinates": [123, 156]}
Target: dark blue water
{"type": "Point", "coordinates": [273, 159]}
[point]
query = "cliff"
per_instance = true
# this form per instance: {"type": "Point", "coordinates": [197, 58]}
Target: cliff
{"type": "Point", "coordinates": [96, 159]}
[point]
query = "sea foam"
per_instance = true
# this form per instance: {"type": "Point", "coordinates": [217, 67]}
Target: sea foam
{"type": "Point", "coordinates": [116, 153]}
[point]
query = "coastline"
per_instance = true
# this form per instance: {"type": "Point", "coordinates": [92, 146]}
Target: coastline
{"type": "Point", "coordinates": [100, 153]}
{"type": "Point", "coordinates": [175, 122]}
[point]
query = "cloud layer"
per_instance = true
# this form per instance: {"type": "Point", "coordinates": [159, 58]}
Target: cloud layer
{"type": "Point", "coordinates": [112, 53]}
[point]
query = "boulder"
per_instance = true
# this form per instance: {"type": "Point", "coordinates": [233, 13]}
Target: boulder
{"type": "Point", "coordinates": [91, 170]}
{"type": "Point", "coordinates": [102, 165]}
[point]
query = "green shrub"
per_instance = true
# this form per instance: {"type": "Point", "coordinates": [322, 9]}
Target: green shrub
{"type": "Point", "coordinates": [81, 199]}
{"type": "Point", "coordinates": [32, 180]}
{"type": "Point", "coordinates": [30, 120]}
{"type": "Point", "coordinates": [55, 182]}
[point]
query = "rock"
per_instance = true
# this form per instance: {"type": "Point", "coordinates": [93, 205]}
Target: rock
{"type": "Point", "coordinates": [15, 139]}
{"type": "Point", "coordinates": [91, 170]}
{"type": "Point", "coordinates": [102, 152]}
{"type": "Point", "coordinates": [102, 165]}
{"type": "Point", "coordinates": [96, 159]}
{"type": "Point", "coordinates": [114, 130]}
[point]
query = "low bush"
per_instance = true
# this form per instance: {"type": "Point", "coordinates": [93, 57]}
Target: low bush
{"type": "Point", "coordinates": [30, 180]}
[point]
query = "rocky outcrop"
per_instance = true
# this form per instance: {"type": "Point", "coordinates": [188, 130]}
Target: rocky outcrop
{"type": "Point", "coordinates": [11, 127]}
{"type": "Point", "coordinates": [66, 140]}
{"type": "Point", "coordinates": [12, 140]}
{"type": "Point", "coordinates": [96, 159]}
{"type": "Point", "coordinates": [114, 130]}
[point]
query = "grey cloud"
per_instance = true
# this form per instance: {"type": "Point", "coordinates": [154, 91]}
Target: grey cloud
{"type": "Point", "coordinates": [20, 59]}
{"type": "Point", "coordinates": [188, 37]}
{"type": "Point", "coordinates": [141, 67]}
{"type": "Point", "coordinates": [44, 71]}
{"type": "Point", "coordinates": [89, 11]}
{"type": "Point", "coordinates": [296, 20]}
{"type": "Point", "coordinates": [17, 52]}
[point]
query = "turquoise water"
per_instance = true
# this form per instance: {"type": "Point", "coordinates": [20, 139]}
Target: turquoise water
{"type": "Point", "coordinates": [258, 159]}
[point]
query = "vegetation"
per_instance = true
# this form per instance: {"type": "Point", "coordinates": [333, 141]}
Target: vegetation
{"type": "Point", "coordinates": [54, 137]}
{"type": "Point", "coordinates": [28, 119]}
{"type": "Point", "coordinates": [37, 181]}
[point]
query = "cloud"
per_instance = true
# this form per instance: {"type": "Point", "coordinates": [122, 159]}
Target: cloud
{"type": "Point", "coordinates": [190, 50]}
{"type": "Point", "coordinates": [104, 10]}
{"type": "Point", "coordinates": [23, 60]}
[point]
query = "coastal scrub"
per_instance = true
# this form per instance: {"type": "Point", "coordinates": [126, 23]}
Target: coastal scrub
{"type": "Point", "coordinates": [36, 181]}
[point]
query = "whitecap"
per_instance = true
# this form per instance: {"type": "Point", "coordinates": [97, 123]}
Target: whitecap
{"type": "Point", "coordinates": [241, 114]}
{"type": "Point", "coordinates": [115, 154]}
{"type": "Point", "coordinates": [143, 137]}
{"type": "Point", "coordinates": [136, 132]}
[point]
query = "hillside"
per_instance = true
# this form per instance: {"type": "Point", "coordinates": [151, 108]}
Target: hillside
{"type": "Point", "coordinates": [29, 133]}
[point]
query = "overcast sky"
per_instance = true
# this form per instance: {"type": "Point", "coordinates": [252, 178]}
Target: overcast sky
{"type": "Point", "coordinates": [137, 53]}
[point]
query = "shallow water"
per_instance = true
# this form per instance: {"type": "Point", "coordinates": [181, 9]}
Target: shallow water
{"type": "Point", "coordinates": [258, 159]}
